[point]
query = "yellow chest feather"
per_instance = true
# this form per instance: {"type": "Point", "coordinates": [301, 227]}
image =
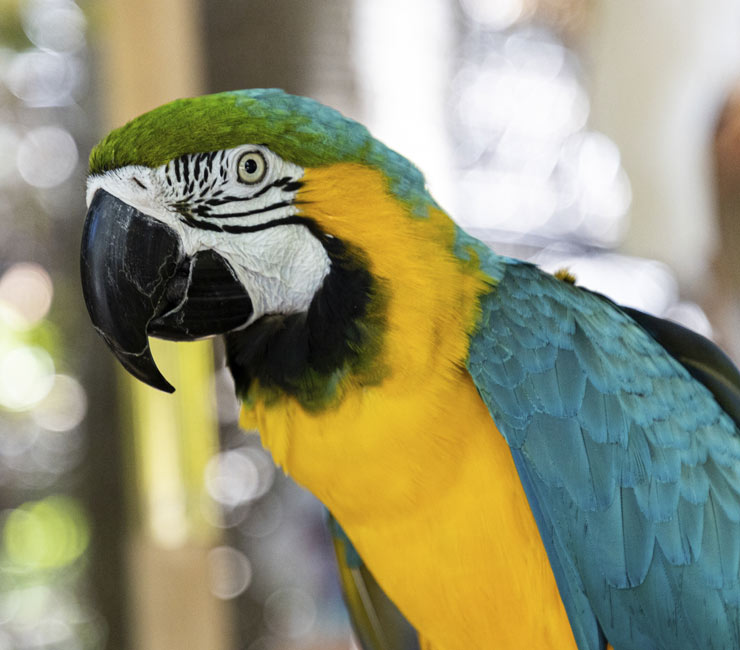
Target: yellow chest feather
{"type": "Point", "coordinates": [432, 501]}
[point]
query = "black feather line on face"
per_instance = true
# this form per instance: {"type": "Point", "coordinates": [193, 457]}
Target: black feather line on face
{"type": "Point", "coordinates": [249, 213]}
{"type": "Point", "coordinates": [303, 354]}
{"type": "Point", "coordinates": [218, 227]}
{"type": "Point", "coordinates": [202, 205]}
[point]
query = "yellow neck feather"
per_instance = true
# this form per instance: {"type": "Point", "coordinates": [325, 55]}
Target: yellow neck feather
{"type": "Point", "coordinates": [431, 291]}
{"type": "Point", "coordinates": [431, 307]}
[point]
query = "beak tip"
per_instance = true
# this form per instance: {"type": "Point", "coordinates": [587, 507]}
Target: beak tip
{"type": "Point", "coordinates": [143, 367]}
{"type": "Point", "coordinates": [163, 385]}
{"type": "Point", "coordinates": [154, 380]}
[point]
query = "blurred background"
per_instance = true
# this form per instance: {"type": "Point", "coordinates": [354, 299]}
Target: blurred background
{"type": "Point", "coordinates": [595, 135]}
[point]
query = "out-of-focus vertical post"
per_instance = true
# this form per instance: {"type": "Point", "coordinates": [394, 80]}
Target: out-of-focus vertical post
{"type": "Point", "coordinates": [723, 302]}
{"type": "Point", "coordinates": [152, 54]}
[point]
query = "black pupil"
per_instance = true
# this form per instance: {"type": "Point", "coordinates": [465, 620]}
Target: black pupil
{"type": "Point", "coordinates": [250, 165]}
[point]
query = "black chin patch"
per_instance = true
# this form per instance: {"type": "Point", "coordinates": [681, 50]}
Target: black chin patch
{"type": "Point", "coordinates": [303, 354]}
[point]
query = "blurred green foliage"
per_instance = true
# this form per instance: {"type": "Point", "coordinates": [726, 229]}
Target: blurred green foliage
{"type": "Point", "coordinates": [48, 534]}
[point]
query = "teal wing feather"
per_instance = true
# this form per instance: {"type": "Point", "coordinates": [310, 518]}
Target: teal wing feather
{"type": "Point", "coordinates": [630, 464]}
{"type": "Point", "coordinates": [377, 623]}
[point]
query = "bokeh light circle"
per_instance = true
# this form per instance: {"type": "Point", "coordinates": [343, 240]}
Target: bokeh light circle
{"type": "Point", "coordinates": [28, 290]}
{"type": "Point", "coordinates": [26, 377]}
{"type": "Point", "coordinates": [239, 475]}
{"type": "Point", "coordinates": [230, 572]}
{"type": "Point", "coordinates": [64, 407]}
{"type": "Point", "coordinates": [47, 156]}
{"type": "Point", "coordinates": [41, 78]}
{"type": "Point", "coordinates": [57, 25]}
{"type": "Point", "coordinates": [290, 612]}
{"type": "Point", "coordinates": [50, 533]}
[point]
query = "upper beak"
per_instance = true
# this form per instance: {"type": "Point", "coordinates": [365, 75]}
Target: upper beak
{"type": "Point", "coordinates": [137, 282]}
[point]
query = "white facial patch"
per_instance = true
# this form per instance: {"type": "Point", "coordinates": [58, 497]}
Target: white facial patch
{"type": "Point", "coordinates": [212, 203]}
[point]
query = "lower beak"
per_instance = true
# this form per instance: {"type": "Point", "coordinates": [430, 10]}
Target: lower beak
{"type": "Point", "coordinates": [137, 282]}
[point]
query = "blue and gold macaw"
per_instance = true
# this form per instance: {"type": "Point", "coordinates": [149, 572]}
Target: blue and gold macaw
{"type": "Point", "coordinates": [519, 462]}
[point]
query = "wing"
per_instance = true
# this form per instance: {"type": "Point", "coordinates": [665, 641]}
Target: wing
{"type": "Point", "coordinates": [376, 621]}
{"type": "Point", "coordinates": [628, 461]}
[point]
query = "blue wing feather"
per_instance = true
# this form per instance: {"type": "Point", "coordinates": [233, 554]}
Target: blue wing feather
{"type": "Point", "coordinates": [629, 463]}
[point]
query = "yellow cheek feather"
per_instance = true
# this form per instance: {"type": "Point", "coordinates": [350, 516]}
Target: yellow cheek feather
{"type": "Point", "coordinates": [414, 468]}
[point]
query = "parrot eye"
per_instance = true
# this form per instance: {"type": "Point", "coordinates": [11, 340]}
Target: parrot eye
{"type": "Point", "coordinates": [251, 167]}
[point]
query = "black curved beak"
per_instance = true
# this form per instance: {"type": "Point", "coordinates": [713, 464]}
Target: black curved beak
{"type": "Point", "coordinates": [138, 282]}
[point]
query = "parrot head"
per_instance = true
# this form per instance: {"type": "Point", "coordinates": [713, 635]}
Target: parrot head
{"type": "Point", "coordinates": [244, 213]}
